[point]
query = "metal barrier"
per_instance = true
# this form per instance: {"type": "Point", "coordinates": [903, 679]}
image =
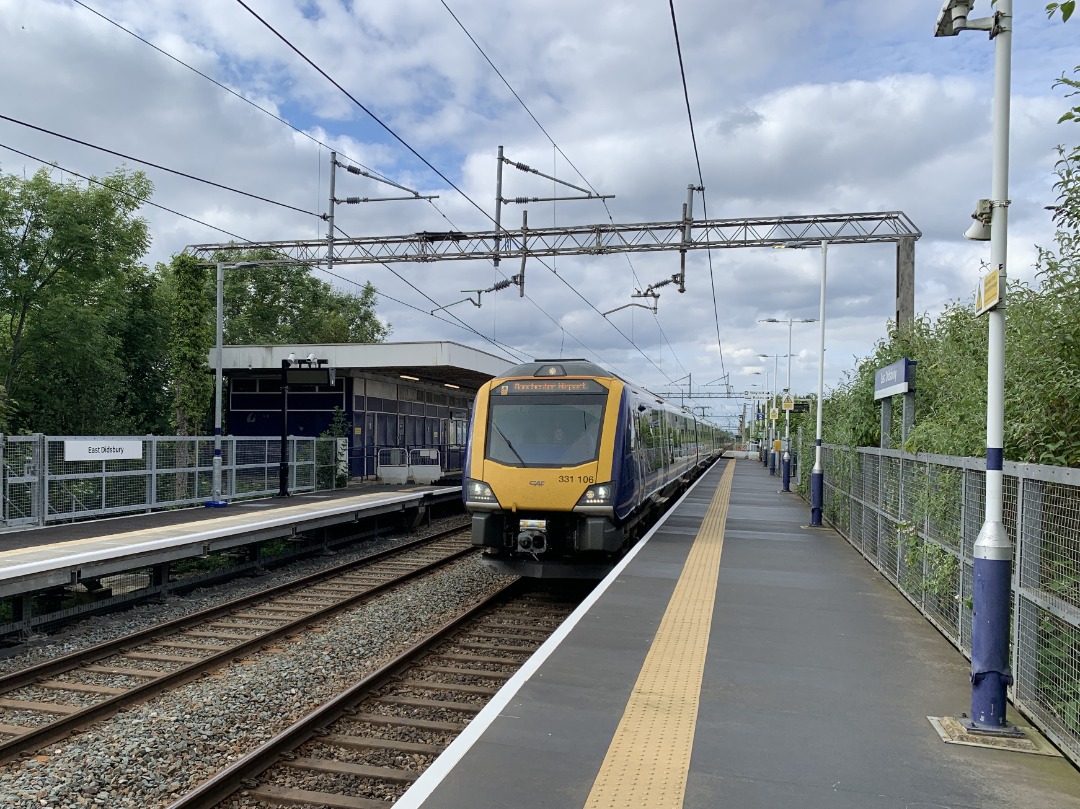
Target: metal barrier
{"type": "Point", "coordinates": [422, 465]}
{"type": "Point", "coordinates": [916, 518]}
{"type": "Point", "coordinates": [393, 466]}
{"type": "Point", "coordinates": [39, 485]}
{"type": "Point", "coordinates": [425, 465]}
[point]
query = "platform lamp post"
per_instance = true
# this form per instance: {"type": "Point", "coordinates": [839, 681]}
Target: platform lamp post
{"type": "Point", "coordinates": [991, 588]}
{"type": "Point", "coordinates": [787, 413]}
{"type": "Point", "coordinates": [817, 475]}
{"type": "Point", "coordinates": [216, 499]}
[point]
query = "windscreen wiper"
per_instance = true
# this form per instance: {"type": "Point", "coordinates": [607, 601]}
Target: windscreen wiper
{"type": "Point", "coordinates": [507, 440]}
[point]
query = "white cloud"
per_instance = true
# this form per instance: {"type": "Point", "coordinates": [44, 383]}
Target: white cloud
{"type": "Point", "coordinates": [823, 106]}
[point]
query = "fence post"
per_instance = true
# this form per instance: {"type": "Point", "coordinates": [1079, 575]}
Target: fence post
{"type": "Point", "coordinates": [42, 470]}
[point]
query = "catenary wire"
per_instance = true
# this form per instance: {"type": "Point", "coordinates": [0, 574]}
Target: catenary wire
{"type": "Point", "coordinates": [460, 324]}
{"type": "Point", "coordinates": [701, 179]}
{"type": "Point", "coordinates": [218, 84]}
{"type": "Point", "coordinates": [125, 193]}
{"type": "Point", "coordinates": [356, 161]}
{"type": "Point", "coordinates": [156, 166]}
{"type": "Point", "coordinates": [227, 89]}
{"type": "Point", "coordinates": [554, 145]}
{"type": "Point", "coordinates": [424, 160]}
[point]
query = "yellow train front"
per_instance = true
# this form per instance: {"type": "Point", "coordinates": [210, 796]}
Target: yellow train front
{"type": "Point", "coordinates": [566, 462]}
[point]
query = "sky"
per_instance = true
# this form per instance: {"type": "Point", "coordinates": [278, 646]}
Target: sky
{"type": "Point", "coordinates": [814, 107]}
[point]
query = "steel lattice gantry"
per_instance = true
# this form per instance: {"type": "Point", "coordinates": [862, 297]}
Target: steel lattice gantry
{"type": "Point", "coordinates": [578, 240]}
{"type": "Point", "coordinates": [596, 240]}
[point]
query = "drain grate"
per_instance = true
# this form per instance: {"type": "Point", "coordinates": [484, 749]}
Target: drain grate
{"type": "Point", "coordinates": [952, 731]}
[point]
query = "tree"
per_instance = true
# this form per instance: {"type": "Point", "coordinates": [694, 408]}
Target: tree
{"type": "Point", "coordinates": [65, 250]}
{"type": "Point", "coordinates": [190, 341]}
{"type": "Point", "coordinates": [284, 303]}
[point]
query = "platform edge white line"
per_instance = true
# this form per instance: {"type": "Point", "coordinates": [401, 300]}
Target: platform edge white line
{"type": "Point", "coordinates": [421, 790]}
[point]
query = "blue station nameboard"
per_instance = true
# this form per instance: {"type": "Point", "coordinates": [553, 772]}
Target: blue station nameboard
{"type": "Point", "coordinates": [897, 377]}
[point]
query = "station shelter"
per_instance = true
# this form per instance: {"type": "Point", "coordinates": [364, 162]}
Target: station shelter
{"type": "Point", "coordinates": [389, 396]}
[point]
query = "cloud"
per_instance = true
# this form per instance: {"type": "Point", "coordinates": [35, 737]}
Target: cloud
{"type": "Point", "coordinates": [822, 106]}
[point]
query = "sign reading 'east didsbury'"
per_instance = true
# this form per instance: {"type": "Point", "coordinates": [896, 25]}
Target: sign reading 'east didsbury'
{"type": "Point", "coordinates": [101, 449]}
{"type": "Point", "coordinates": [898, 377]}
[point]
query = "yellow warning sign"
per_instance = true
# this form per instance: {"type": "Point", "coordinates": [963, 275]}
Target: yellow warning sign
{"type": "Point", "coordinates": [988, 293]}
{"type": "Point", "coordinates": [774, 414]}
{"type": "Point", "coordinates": [789, 402]}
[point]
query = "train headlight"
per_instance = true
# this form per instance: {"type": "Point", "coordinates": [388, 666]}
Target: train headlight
{"type": "Point", "coordinates": [476, 491]}
{"type": "Point", "coordinates": [599, 494]}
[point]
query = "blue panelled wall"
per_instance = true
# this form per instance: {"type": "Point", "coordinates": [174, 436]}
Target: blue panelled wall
{"type": "Point", "coordinates": [382, 413]}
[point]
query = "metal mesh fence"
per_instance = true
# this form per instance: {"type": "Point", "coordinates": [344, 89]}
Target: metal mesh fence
{"type": "Point", "coordinates": [44, 481]}
{"type": "Point", "coordinates": [917, 517]}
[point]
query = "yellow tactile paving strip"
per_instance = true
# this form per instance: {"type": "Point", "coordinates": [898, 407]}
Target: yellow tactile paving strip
{"type": "Point", "coordinates": [227, 523]}
{"type": "Point", "coordinates": [648, 760]}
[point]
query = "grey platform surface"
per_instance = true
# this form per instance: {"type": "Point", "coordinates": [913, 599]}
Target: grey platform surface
{"type": "Point", "coordinates": [818, 680]}
{"type": "Point", "coordinates": [16, 538]}
{"type": "Point", "coordinates": [37, 558]}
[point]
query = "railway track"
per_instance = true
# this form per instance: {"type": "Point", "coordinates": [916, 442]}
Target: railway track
{"type": "Point", "coordinates": [365, 747]}
{"type": "Point", "coordinates": [46, 702]}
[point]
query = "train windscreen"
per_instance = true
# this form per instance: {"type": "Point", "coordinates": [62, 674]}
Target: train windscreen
{"type": "Point", "coordinates": [528, 428]}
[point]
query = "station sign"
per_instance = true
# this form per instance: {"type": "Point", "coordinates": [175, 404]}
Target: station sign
{"type": "Point", "coordinates": [898, 377]}
{"type": "Point", "coordinates": [102, 449]}
{"type": "Point", "coordinates": [309, 376]}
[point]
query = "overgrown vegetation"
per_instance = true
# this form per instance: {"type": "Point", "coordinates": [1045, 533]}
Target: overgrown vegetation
{"type": "Point", "coordinates": [94, 342]}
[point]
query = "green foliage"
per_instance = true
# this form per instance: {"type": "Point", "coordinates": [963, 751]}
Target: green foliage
{"type": "Point", "coordinates": [191, 338]}
{"type": "Point", "coordinates": [285, 303]}
{"type": "Point", "coordinates": [339, 425]}
{"type": "Point", "coordinates": [1042, 364]}
{"type": "Point", "coordinates": [68, 256]}
{"type": "Point", "coordinates": [1066, 7]}
{"type": "Point", "coordinates": [5, 410]}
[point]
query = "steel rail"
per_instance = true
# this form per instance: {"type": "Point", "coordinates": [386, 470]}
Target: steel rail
{"type": "Point", "coordinates": [37, 737]}
{"type": "Point", "coordinates": [217, 788]}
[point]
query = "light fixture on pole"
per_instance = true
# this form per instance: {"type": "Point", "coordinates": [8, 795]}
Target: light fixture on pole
{"type": "Point", "coordinates": [787, 392]}
{"type": "Point", "coordinates": [980, 228]}
{"type": "Point", "coordinates": [216, 499]}
{"type": "Point", "coordinates": [993, 552]}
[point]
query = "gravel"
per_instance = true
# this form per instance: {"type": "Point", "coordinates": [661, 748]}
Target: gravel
{"type": "Point", "coordinates": [151, 754]}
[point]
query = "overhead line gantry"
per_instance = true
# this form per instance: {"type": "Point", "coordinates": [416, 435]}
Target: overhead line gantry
{"type": "Point", "coordinates": [590, 240]}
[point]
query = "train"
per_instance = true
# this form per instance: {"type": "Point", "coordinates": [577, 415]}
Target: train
{"type": "Point", "coordinates": [566, 465]}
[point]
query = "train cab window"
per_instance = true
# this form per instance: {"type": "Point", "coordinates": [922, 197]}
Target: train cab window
{"type": "Point", "coordinates": [545, 429]}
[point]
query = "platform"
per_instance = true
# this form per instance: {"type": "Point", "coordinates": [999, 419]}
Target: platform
{"type": "Point", "coordinates": [56, 555]}
{"type": "Point", "coordinates": [738, 659]}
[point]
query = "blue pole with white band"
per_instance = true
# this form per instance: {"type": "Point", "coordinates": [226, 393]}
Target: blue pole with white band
{"type": "Point", "coordinates": [991, 590]}
{"type": "Point", "coordinates": [990, 674]}
{"type": "Point", "coordinates": [817, 476]}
